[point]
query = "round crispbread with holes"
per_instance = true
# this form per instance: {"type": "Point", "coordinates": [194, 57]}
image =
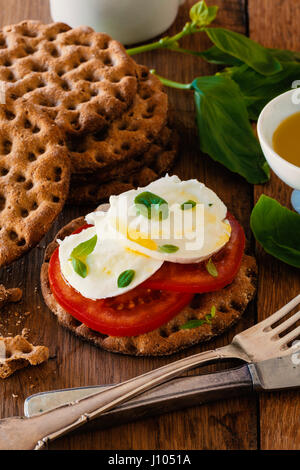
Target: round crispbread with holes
{"type": "Point", "coordinates": [83, 79]}
{"type": "Point", "coordinates": [34, 178]}
{"type": "Point", "coordinates": [128, 137]}
{"type": "Point", "coordinates": [230, 303]}
{"type": "Point", "coordinates": [159, 158]}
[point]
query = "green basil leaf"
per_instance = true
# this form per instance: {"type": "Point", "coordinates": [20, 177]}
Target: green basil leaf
{"type": "Point", "coordinates": [258, 91]}
{"type": "Point", "coordinates": [195, 323]}
{"type": "Point", "coordinates": [192, 324]}
{"type": "Point", "coordinates": [284, 55]}
{"type": "Point", "coordinates": [202, 15]}
{"type": "Point", "coordinates": [79, 267]}
{"type": "Point", "coordinates": [168, 248]}
{"type": "Point", "coordinates": [214, 55]}
{"type": "Point", "coordinates": [188, 205]}
{"type": "Point", "coordinates": [211, 268]}
{"type": "Point", "coordinates": [277, 229]}
{"type": "Point", "coordinates": [224, 129]}
{"type": "Point", "coordinates": [126, 278]}
{"type": "Point", "coordinates": [245, 50]}
{"type": "Point", "coordinates": [149, 204]}
{"type": "Point", "coordinates": [85, 248]}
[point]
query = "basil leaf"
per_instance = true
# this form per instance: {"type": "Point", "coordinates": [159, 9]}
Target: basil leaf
{"type": "Point", "coordinates": [202, 15]}
{"type": "Point", "coordinates": [215, 56]}
{"type": "Point", "coordinates": [195, 323]}
{"type": "Point", "coordinates": [244, 49]}
{"type": "Point", "coordinates": [168, 248]}
{"type": "Point", "coordinates": [79, 267]}
{"type": "Point", "coordinates": [126, 278]}
{"type": "Point", "coordinates": [258, 91]}
{"type": "Point", "coordinates": [211, 268]}
{"type": "Point", "coordinates": [188, 205]}
{"type": "Point", "coordinates": [85, 248]}
{"type": "Point", "coordinates": [277, 229]}
{"type": "Point", "coordinates": [149, 204]}
{"type": "Point", "coordinates": [284, 55]}
{"type": "Point", "coordinates": [224, 129]}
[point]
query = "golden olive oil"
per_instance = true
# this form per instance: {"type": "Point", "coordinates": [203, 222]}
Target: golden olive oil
{"type": "Point", "coordinates": [286, 139]}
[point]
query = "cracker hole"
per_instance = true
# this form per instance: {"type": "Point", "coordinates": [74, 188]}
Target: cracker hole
{"type": "Point", "coordinates": [236, 306]}
{"type": "Point", "coordinates": [65, 86]}
{"type": "Point", "coordinates": [21, 242]}
{"type": "Point", "coordinates": [3, 171]}
{"type": "Point", "coordinates": [55, 199]}
{"type": "Point", "coordinates": [20, 179]}
{"type": "Point", "coordinates": [31, 157]}
{"type": "Point", "coordinates": [28, 185]}
{"type": "Point", "coordinates": [55, 52]}
{"type": "Point", "coordinates": [2, 202]}
{"type": "Point", "coordinates": [28, 33]}
{"type": "Point", "coordinates": [24, 213]}
{"type": "Point", "coordinates": [120, 97]}
{"type": "Point", "coordinates": [10, 116]}
{"type": "Point", "coordinates": [223, 309]}
{"type": "Point", "coordinates": [7, 62]}
{"type": "Point", "coordinates": [29, 50]}
{"type": "Point", "coordinates": [125, 146]}
{"type": "Point", "coordinates": [108, 62]}
{"type": "Point", "coordinates": [36, 130]}
{"type": "Point", "coordinates": [27, 124]}
{"type": "Point", "coordinates": [57, 174]}
{"type": "Point", "coordinates": [34, 206]}
{"type": "Point", "coordinates": [12, 235]}
{"type": "Point", "coordinates": [3, 43]}
{"type": "Point", "coordinates": [7, 145]}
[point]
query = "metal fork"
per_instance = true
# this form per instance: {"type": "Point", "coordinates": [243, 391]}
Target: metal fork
{"type": "Point", "coordinates": [259, 342]}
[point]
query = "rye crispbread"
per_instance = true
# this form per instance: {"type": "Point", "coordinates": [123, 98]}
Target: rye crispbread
{"type": "Point", "coordinates": [126, 138]}
{"type": "Point", "coordinates": [159, 158]}
{"type": "Point", "coordinates": [230, 303]}
{"type": "Point", "coordinates": [34, 178]}
{"type": "Point", "coordinates": [19, 353]}
{"type": "Point", "coordinates": [83, 79]}
{"type": "Point", "coordinates": [9, 295]}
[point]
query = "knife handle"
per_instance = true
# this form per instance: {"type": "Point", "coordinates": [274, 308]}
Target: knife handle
{"type": "Point", "coordinates": [178, 394]}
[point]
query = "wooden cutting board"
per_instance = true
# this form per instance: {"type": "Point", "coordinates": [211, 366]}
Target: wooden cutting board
{"type": "Point", "coordinates": [269, 422]}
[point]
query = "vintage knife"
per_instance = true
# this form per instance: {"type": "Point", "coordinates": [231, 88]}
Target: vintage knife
{"type": "Point", "coordinates": [273, 374]}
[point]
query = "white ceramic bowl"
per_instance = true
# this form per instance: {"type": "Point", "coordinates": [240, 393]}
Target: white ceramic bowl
{"type": "Point", "coordinates": [128, 21]}
{"type": "Point", "coordinates": [271, 116]}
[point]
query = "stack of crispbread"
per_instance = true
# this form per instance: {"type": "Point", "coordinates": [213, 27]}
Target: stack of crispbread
{"type": "Point", "coordinates": [75, 107]}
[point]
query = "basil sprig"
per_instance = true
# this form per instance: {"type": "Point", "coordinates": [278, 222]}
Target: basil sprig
{"type": "Point", "coordinates": [224, 107]}
{"type": "Point", "coordinates": [79, 255]}
{"type": "Point", "coordinates": [211, 268]}
{"type": "Point", "coordinates": [150, 205]}
{"type": "Point", "coordinates": [195, 323]}
{"type": "Point", "coordinates": [277, 229]}
{"type": "Point", "coordinates": [126, 278]}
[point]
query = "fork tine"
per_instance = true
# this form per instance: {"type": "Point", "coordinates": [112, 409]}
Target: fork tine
{"type": "Point", "coordinates": [290, 336]}
{"type": "Point", "coordinates": [286, 324]}
{"type": "Point", "coordinates": [281, 312]}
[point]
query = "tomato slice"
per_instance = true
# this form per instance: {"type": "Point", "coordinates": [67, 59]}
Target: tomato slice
{"type": "Point", "coordinates": [195, 277]}
{"type": "Point", "coordinates": [135, 312]}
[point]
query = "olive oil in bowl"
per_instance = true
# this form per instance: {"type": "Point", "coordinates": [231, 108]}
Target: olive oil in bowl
{"type": "Point", "coordinates": [286, 139]}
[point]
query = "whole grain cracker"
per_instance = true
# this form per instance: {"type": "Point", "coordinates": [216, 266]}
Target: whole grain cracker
{"type": "Point", "coordinates": [34, 178]}
{"type": "Point", "coordinates": [82, 78]}
{"type": "Point", "coordinates": [17, 353]}
{"type": "Point", "coordinates": [9, 295]}
{"type": "Point", "coordinates": [230, 303]}
{"type": "Point", "coordinates": [127, 137]}
{"type": "Point", "coordinates": [158, 159]}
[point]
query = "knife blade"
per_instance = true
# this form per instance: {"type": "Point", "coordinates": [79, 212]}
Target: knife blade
{"type": "Point", "coordinates": [179, 393]}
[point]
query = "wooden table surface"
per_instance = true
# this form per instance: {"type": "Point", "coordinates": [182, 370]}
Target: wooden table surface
{"type": "Point", "coordinates": [271, 421]}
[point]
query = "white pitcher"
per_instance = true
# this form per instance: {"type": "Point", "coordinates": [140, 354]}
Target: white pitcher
{"type": "Point", "coordinates": [128, 21]}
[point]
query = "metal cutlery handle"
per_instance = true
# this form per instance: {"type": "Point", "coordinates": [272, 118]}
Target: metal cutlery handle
{"type": "Point", "coordinates": [36, 432]}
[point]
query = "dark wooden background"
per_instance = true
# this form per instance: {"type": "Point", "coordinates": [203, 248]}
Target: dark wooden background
{"type": "Point", "coordinates": [269, 422]}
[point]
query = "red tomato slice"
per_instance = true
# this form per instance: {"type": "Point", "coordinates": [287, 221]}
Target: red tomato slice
{"type": "Point", "coordinates": [135, 312]}
{"type": "Point", "coordinates": [195, 277]}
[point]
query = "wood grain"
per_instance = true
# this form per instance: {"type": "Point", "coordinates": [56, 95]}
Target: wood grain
{"type": "Point", "coordinates": [231, 424]}
{"type": "Point", "coordinates": [278, 282]}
